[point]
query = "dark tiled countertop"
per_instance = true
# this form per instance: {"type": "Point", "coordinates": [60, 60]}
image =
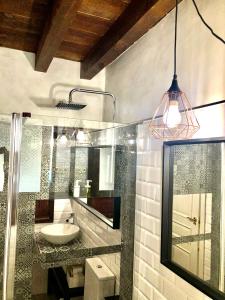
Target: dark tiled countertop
{"type": "Point", "coordinates": [76, 251]}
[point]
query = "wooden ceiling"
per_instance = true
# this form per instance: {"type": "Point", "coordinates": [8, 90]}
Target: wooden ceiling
{"type": "Point", "coordinates": [93, 32]}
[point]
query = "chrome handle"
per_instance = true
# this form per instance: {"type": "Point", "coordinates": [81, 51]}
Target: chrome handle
{"type": "Point", "coordinates": [72, 215]}
{"type": "Point", "coordinates": [193, 220]}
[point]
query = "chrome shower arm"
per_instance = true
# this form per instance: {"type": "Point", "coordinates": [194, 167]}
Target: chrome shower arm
{"type": "Point", "coordinates": [89, 91]}
{"type": "Point", "coordinates": [96, 92]}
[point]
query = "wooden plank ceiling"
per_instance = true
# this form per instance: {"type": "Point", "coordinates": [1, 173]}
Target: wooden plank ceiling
{"type": "Point", "coordinates": [93, 32]}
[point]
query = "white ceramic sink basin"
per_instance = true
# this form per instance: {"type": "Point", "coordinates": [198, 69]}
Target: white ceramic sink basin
{"type": "Point", "coordinates": [60, 233]}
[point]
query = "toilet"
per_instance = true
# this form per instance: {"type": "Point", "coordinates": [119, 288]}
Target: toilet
{"type": "Point", "coordinates": [99, 280]}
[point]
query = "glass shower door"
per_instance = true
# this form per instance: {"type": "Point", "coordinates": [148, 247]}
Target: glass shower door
{"type": "Point", "coordinates": [29, 175]}
{"type": "Point", "coordinates": [25, 176]}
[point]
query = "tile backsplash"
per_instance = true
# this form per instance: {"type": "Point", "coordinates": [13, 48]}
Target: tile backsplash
{"type": "Point", "coordinates": [62, 210]}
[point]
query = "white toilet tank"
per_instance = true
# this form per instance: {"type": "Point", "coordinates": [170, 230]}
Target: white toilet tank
{"type": "Point", "coordinates": [99, 280]}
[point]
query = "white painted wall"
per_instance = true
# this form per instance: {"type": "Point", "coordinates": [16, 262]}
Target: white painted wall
{"type": "Point", "coordinates": [23, 89]}
{"type": "Point", "coordinates": [143, 73]}
{"type": "Point", "coordinates": [138, 79]}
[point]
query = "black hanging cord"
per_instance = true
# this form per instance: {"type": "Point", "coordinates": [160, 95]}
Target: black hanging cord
{"type": "Point", "coordinates": [204, 22]}
{"type": "Point", "coordinates": [175, 40]}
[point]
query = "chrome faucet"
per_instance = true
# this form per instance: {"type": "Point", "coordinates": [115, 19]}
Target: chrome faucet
{"type": "Point", "coordinates": [71, 217]}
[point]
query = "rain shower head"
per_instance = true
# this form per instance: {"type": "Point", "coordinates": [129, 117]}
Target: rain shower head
{"type": "Point", "coordinates": [78, 106]}
{"type": "Point", "coordinates": [70, 105]}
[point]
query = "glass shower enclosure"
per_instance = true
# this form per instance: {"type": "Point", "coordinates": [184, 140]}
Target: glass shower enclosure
{"type": "Point", "coordinates": [26, 165]}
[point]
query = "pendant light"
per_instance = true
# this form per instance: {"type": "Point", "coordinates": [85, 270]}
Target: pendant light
{"type": "Point", "coordinates": [81, 137]}
{"type": "Point", "coordinates": [63, 138]}
{"type": "Point", "coordinates": [174, 117]}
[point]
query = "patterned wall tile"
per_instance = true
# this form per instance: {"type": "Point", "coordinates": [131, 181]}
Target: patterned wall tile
{"type": "Point", "coordinates": [26, 219]}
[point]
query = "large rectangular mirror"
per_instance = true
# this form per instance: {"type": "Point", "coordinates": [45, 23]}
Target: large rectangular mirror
{"type": "Point", "coordinates": [95, 180]}
{"type": "Point", "coordinates": [89, 172]}
{"type": "Point", "coordinates": [193, 213]}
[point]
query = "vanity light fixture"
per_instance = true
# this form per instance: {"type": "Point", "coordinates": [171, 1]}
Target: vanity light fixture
{"type": "Point", "coordinates": [80, 136]}
{"type": "Point", "coordinates": [174, 117]}
{"type": "Point", "coordinates": [65, 138]}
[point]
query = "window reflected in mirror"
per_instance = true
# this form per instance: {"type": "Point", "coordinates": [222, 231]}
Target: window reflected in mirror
{"type": "Point", "coordinates": [106, 169]}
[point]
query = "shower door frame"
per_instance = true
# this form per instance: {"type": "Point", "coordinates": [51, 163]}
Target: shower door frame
{"type": "Point", "coordinates": [12, 195]}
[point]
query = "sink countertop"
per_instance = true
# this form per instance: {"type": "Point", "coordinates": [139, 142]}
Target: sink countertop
{"type": "Point", "coordinates": [74, 252]}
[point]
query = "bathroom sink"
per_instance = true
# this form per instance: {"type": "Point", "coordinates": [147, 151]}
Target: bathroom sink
{"type": "Point", "coordinates": [60, 233]}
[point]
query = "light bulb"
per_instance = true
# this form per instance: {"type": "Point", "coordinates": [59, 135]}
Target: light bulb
{"type": "Point", "coordinates": [172, 116]}
{"type": "Point", "coordinates": [80, 136]}
{"type": "Point", "coordinates": [63, 139]}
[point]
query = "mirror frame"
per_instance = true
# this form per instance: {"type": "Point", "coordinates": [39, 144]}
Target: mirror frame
{"type": "Point", "coordinates": [166, 223]}
{"type": "Point", "coordinates": [115, 223]}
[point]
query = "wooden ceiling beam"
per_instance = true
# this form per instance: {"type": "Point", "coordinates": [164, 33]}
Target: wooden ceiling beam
{"type": "Point", "coordinates": [134, 22]}
{"type": "Point", "coordinates": [62, 15]}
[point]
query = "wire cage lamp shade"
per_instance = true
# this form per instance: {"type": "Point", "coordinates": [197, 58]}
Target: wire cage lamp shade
{"type": "Point", "coordinates": [174, 118]}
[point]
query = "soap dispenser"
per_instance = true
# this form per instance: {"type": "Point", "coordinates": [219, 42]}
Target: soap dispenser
{"type": "Point", "coordinates": [88, 188]}
{"type": "Point", "coordinates": [76, 189]}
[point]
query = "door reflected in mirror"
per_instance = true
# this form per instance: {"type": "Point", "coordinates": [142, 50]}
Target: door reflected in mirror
{"type": "Point", "coordinates": [191, 229]}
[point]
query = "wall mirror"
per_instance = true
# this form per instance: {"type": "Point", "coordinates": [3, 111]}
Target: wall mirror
{"type": "Point", "coordinates": [86, 172]}
{"type": "Point", "coordinates": [193, 213]}
{"type": "Point", "coordinates": [101, 166]}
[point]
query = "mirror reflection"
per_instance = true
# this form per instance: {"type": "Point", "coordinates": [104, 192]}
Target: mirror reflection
{"type": "Point", "coordinates": [93, 180]}
{"type": "Point", "coordinates": [106, 169]}
{"type": "Point", "coordinates": [87, 168]}
{"type": "Point", "coordinates": [192, 233]}
{"type": "Point", "coordinates": [198, 241]}
{"type": "Point", "coordinates": [195, 173]}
